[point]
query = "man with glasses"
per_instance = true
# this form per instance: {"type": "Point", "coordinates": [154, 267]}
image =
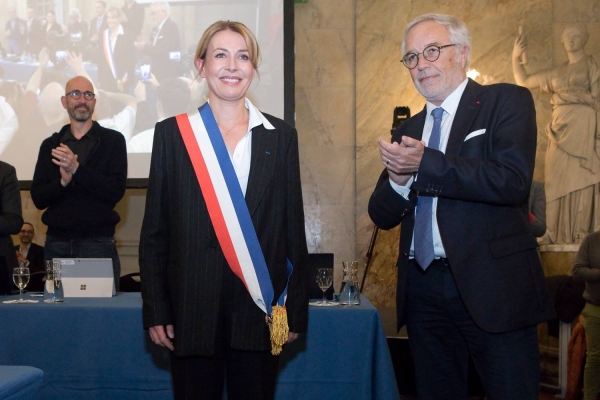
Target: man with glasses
{"type": "Point", "coordinates": [457, 176]}
{"type": "Point", "coordinates": [31, 255]}
{"type": "Point", "coordinates": [79, 178]}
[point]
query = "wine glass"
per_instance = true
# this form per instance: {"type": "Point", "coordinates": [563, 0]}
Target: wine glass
{"type": "Point", "coordinates": [324, 280]}
{"type": "Point", "coordinates": [21, 279]}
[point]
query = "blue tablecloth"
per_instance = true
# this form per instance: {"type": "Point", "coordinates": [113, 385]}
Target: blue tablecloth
{"type": "Point", "coordinates": [96, 349]}
{"type": "Point", "coordinates": [20, 383]}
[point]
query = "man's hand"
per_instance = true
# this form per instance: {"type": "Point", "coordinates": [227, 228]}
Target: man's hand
{"type": "Point", "coordinates": [292, 336]}
{"type": "Point", "coordinates": [162, 336]}
{"type": "Point", "coordinates": [67, 161]}
{"type": "Point", "coordinates": [402, 159]}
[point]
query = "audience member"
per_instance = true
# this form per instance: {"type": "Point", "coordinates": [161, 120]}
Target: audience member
{"type": "Point", "coordinates": [164, 47]}
{"type": "Point", "coordinates": [116, 63]}
{"type": "Point", "coordinates": [9, 122]}
{"type": "Point", "coordinates": [77, 31]}
{"type": "Point", "coordinates": [134, 12]}
{"type": "Point", "coordinates": [173, 98]}
{"type": "Point", "coordinates": [79, 177]}
{"type": "Point", "coordinates": [470, 283]}
{"type": "Point", "coordinates": [32, 256]}
{"type": "Point", "coordinates": [15, 32]}
{"type": "Point", "coordinates": [587, 269]}
{"type": "Point", "coordinates": [35, 35]}
{"type": "Point", "coordinates": [10, 223]}
{"type": "Point", "coordinates": [97, 25]}
{"type": "Point", "coordinates": [123, 120]}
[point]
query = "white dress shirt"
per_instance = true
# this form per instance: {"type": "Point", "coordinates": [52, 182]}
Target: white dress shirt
{"type": "Point", "coordinates": [450, 105]}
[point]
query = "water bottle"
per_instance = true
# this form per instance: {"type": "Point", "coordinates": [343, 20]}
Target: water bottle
{"type": "Point", "coordinates": [53, 289]}
{"type": "Point", "coordinates": [350, 295]}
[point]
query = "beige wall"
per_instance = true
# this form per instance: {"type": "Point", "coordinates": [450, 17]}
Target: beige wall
{"type": "Point", "coordinates": [349, 79]}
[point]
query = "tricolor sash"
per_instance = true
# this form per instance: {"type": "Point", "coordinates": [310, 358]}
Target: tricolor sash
{"type": "Point", "coordinates": [108, 54]}
{"type": "Point", "coordinates": [229, 213]}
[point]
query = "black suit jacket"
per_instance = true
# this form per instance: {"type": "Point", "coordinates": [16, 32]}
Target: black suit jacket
{"type": "Point", "coordinates": [482, 185]}
{"type": "Point", "coordinates": [182, 267]}
{"type": "Point", "coordinates": [35, 256]}
{"type": "Point", "coordinates": [11, 222]}
{"type": "Point", "coordinates": [124, 58]}
{"type": "Point", "coordinates": [167, 42]}
{"type": "Point", "coordinates": [135, 18]}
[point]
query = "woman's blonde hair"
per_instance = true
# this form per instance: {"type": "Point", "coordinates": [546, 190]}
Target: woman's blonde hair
{"type": "Point", "coordinates": [237, 27]}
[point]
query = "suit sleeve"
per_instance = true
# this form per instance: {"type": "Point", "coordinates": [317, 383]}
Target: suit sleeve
{"type": "Point", "coordinates": [155, 238]}
{"type": "Point", "coordinates": [387, 207]}
{"type": "Point", "coordinates": [298, 293]}
{"type": "Point", "coordinates": [538, 209]}
{"type": "Point", "coordinates": [11, 219]}
{"type": "Point", "coordinates": [504, 176]}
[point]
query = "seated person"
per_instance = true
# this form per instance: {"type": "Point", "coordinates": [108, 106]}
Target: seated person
{"type": "Point", "coordinates": [32, 256]}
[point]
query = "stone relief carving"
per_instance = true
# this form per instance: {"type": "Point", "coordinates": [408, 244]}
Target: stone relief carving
{"type": "Point", "coordinates": [572, 164]}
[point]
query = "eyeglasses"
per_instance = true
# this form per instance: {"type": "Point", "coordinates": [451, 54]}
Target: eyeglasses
{"type": "Point", "coordinates": [76, 94]}
{"type": "Point", "coordinates": [430, 53]}
{"type": "Point", "coordinates": [26, 231]}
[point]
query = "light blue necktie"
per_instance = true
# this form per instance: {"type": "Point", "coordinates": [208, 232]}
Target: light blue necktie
{"type": "Point", "coordinates": [423, 234]}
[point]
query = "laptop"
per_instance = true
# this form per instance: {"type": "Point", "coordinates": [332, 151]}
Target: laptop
{"type": "Point", "coordinates": [87, 277]}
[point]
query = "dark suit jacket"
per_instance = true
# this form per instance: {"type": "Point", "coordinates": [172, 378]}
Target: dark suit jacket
{"type": "Point", "coordinates": [35, 36]}
{"type": "Point", "coordinates": [537, 206]}
{"type": "Point", "coordinates": [182, 266]}
{"type": "Point", "coordinates": [482, 185]}
{"type": "Point", "coordinates": [135, 18]}
{"type": "Point", "coordinates": [35, 256]}
{"type": "Point", "coordinates": [10, 223]}
{"type": "Point", "coordinates": [167, 42]}
{"type": "Point", "coordinates": [93, 27]}
{"type": "Point", "coordinates": [124, 57]}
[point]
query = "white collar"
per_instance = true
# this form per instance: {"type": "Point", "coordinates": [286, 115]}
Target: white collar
{"type": "Point", "coordinates": [450, 104]}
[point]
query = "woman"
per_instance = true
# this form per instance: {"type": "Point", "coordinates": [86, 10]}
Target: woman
{"type": "Point", "coordinates": [194, 302]}
{"type": "Point", "coordinates": [51, 24]}
{"type": "Point", "coordinates": [572, 165]}
{"type": "Point", "coordinates": [116, 60]}
{"type": "Point", "coordinates": [53, 32]}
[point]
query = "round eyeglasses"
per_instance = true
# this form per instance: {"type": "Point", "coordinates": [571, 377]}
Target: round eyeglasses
{"type": "Point", "coordinates": [430, 53]}
{"type": "Point", "coordinates": [76, 94]}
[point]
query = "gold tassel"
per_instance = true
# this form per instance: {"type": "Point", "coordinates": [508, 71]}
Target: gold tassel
{"type": "Point", "coordinates": [278, 327]}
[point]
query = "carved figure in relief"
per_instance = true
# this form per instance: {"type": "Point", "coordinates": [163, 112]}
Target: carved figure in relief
{"type": "Point", "coordinates": [572, 164]}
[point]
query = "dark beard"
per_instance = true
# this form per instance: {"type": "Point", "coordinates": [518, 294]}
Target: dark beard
{"type": "Point", "coordinates": [80, 117]}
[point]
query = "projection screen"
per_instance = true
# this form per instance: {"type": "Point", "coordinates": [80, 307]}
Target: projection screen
{"type": "Point", "coordinates": [132, 105]}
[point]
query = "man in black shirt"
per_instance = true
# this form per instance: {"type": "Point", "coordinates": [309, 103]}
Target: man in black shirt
{"type": "Point", "coordinates": [79, 177]}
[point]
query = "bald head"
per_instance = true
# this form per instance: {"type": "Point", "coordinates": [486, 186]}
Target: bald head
{"type": "Point", "coordinates": [76, 101]}
{"type": "Point", "coordinates": [78, 83]}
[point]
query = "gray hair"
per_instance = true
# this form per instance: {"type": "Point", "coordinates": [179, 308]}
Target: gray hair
{"type": "Point", "coordinates": [163, 5]}
{"type": "Point", "coordinates": [457, 30]}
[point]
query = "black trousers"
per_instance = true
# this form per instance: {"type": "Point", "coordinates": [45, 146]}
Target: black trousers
{"type": "Point", "coordinates": [248, 375]}
{"type": "Point", "coordinates": [442, 335]}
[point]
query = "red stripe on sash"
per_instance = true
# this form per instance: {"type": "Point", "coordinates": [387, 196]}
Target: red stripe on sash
{"type": "Point", "coordinates": [208, 192]}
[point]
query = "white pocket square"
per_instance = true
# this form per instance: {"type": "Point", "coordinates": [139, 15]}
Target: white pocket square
{"type": "Point", "coordinates": [474, 133]}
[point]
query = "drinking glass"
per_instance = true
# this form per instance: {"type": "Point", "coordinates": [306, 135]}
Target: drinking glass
{"type": "Point", "coordinates": [324, 280]}
{"type": "Point", "coordinates": [21, 279]}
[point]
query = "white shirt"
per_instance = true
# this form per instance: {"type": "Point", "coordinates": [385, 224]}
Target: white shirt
{"type": "Point", "coordinates": [9, 123]}
{"type": "Point", "coordinates": [243, 150]}
{"type": "Point", "coordinates": [122, 122]}
{"type": "Point", "coordinates": [450, 105]}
